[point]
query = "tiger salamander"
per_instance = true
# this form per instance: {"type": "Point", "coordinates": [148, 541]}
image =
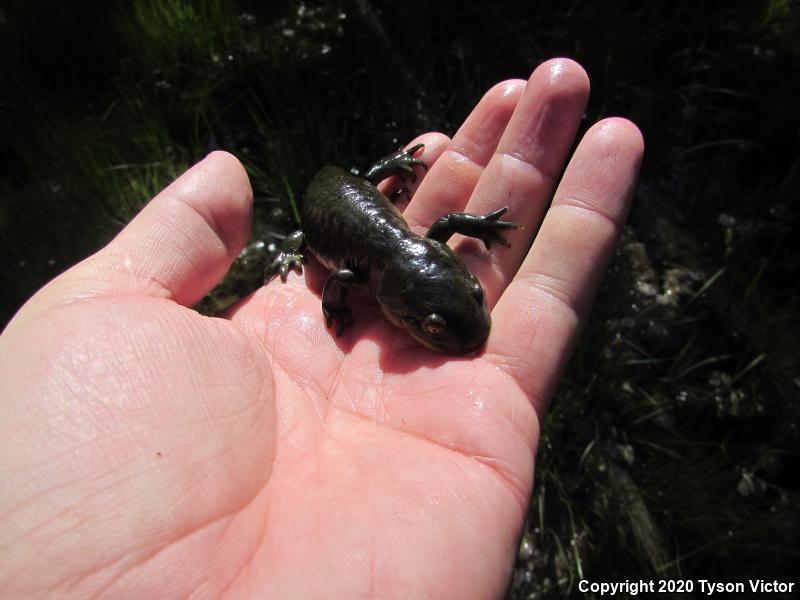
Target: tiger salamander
{"type": "Point", "coordinates": [420, 284]}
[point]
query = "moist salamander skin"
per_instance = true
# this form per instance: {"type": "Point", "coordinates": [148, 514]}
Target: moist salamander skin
{"type": "Point", "coordinates": [420, 284]}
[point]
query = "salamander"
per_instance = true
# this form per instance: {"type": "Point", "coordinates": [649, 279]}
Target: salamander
{"type": "Point", "coordinates": [420, 284]}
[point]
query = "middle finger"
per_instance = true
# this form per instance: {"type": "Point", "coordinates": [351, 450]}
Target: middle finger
{"type": "Point", "coordinates": [525, 166]}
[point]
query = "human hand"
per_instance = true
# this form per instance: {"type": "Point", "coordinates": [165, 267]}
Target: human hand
{"type": "Point", "coordinates": [147, 451]}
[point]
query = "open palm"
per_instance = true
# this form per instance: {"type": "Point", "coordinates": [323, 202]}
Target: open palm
{"type": "Point", "coordinates": [147, 451]}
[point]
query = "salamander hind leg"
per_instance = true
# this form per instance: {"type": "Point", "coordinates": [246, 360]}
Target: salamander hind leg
{"type": "Point", "coordinates": [334, 297]}
{"type": "Point", "coordinates": [400, 163]}
{"type": "Point", "coordinates": [289, 257]}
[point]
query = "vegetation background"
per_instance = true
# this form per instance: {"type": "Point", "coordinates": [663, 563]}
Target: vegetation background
{"type": "Point", "coordinates": [672, 447]}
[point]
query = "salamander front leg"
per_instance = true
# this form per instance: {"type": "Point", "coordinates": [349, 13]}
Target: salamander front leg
{"type": "Point", "coordinates": [486, 227]}
{"type": "Point", "coordinates": [334, 297]}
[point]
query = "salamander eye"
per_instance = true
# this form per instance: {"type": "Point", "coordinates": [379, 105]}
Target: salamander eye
{"type": "Point", "coordinates": [434, 324]}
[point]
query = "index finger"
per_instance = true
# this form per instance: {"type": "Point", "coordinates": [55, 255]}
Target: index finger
{"type": "Point", "coordinates": [541, 313]}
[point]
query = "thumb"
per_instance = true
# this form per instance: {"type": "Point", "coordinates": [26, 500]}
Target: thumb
{"type": "Point", "coordinates": [179, 246]}
{"type": "Point", "coordinates": [184, 240]}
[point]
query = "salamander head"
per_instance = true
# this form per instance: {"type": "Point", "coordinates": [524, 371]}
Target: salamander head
{"type": "Point", "coordinates": [436, 299]}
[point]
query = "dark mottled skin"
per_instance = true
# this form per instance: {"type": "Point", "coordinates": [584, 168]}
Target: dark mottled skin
{"type": "Point", "coordinates": [419, 282]}
{"type": "Point", "coordinates": [348, 222]}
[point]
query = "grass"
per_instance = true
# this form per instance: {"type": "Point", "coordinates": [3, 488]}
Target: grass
{"type": "Point", "coordinates": [167, 34]}
{"type": "Point", "coordinates": [670, 450]}
{"type": "Point", "coordinates": [94, 174]}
